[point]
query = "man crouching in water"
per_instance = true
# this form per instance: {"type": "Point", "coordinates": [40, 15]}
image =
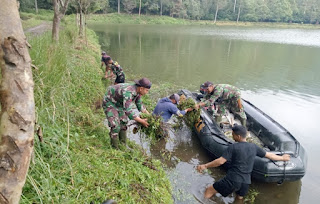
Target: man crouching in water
{"type": "Point", "coordinates": [117, 107]}
{"type": "Point", "coordinates": [241, 156]}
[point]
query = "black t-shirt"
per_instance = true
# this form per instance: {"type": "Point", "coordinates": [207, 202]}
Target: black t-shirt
{"type": "Point", "coordinates": [241, 156]}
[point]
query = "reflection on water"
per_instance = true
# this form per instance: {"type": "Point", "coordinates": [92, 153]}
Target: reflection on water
{"type": "Point", "coordinates": [277, 70]}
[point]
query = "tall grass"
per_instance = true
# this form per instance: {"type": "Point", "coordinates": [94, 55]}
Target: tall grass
{"type": "Point", "coordinates": [75, 162]}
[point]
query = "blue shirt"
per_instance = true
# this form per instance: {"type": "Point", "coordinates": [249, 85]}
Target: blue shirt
{"type": "Point", "coordinates": [165, 108]}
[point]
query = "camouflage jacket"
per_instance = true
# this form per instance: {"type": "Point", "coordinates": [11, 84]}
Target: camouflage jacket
{"type": "Point", "coordinates": [122, 96]}
{"type": "Point", "coordinates": [221, 92]}
{"type": "Point", "coordinates": [117, 69]}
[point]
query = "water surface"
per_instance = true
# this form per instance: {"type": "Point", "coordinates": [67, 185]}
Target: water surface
{"type": "Point", "coordinates": [277, 70]}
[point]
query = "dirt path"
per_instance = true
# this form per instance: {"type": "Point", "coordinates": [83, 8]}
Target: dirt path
{"type": "Point", "coordinates": [38, 30]}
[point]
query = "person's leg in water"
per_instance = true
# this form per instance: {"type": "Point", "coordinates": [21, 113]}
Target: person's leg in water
{"type": "Point", "coordinates": [210, 191]}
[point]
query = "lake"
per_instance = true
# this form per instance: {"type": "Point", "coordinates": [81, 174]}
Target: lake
{"type": "Point", "coordinates": [277, 70]}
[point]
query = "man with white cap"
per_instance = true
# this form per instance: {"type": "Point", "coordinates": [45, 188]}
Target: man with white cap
{"type": "Point", "coordinates": [166, 107]}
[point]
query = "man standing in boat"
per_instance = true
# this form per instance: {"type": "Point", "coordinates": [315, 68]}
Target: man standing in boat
{"type": "Point", "coordinates": [226, 97]}
{"type": "Point", "coordinates": [241, 156]}
{"type": "Point", "coordinates": [166, 107]}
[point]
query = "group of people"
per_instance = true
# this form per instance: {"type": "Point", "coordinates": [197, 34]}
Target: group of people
{"type": "Point", "coordinates": [117, 105]}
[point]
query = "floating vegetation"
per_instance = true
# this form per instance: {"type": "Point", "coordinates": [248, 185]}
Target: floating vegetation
{"type": "Point", "coordinates": [251, 196]}
{"type": "Point", "coordinates": [192, 117]}
{"type": "Point", "coordinates": [156, 129]}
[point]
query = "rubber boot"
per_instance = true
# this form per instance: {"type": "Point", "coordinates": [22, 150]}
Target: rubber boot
{"type": "Point", "coordinates": [243, 122]}
{"type": "Point", "coordinates": [115, 143]}
{"type": "Point", "coordinates": [123, 136]}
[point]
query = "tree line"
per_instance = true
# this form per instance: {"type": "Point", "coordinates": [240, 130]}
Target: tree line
{"type": "Point", "coordinates": [289, 11]}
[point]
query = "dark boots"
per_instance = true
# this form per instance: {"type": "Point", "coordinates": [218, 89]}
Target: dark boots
{"type": "Point", "coordinates": [123, 136]}
{"type": "Point", "coordinates": [115, 143]}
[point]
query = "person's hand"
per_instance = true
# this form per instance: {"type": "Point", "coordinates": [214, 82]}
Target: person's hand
{"type": "Point", "coordinates": [197, 106]}
{"type": "Point", "coordinates": [286, 157]}
{"type": "Point", "coordinates": [145, 111]}
{"type": "Point", "coordinates": [189, 109]}
{"type": "Point", "coordinates": [144, 122]}
{"type": "Point", "coordinates": [106, 76]}
{"type": "Point", "coordinates": [202, 167]}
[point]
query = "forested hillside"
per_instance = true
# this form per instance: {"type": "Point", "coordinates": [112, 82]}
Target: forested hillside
{"type": "Point", "coordinates": [295, 11]}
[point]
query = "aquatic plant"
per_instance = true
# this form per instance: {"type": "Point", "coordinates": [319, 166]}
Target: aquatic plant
{"type": "Point", "coordinates": [251, 196]}
{"type": "Point", "coordinates": [192, 117]}
{"type": "Point", "coordinates": [156, 129]}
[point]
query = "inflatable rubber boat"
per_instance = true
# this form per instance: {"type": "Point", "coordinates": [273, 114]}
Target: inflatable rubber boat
{"type": "Point", "coordinates": [271, 135]}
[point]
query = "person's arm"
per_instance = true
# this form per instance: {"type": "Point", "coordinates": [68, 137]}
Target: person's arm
{"type": "Point", "coordinates": [274, 157]}
{"type": "Point", "coordinates": [214, 163]}
{"type": "Point", "coordinates": [143, 122]}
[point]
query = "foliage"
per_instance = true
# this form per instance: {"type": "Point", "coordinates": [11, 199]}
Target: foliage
{"type": "Point", "coordinates": [157, 128]}
{"type": "Point", "coordinates": [287, 11]}
{"type": "Point", "coordinates": [192, 117]}
{"type": "Point", "coordinates": [75, 162]}
{"type": "Point", "coordinates": [31, 19]}
{"type": "Point", "coordinates": [251, 196]}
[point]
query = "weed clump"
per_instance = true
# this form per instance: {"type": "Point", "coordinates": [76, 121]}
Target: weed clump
{"type": "Point", "coordinates": [157, 127]}
{"type": "Point", "coordinates": [192, 117]}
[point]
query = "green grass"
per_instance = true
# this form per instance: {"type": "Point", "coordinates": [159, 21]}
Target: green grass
{"type": "Point", "coordinates": [31, 19]}
{"type": "Point", "coordinates": [75, 162]}
{"type": "Point", "coordinates": [115, 18]}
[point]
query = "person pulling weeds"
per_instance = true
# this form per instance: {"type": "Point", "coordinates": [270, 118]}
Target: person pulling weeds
{"type": "Point", "coordinates": [167, 106]}
{"type": "Point", "coordinates": [117, 107]}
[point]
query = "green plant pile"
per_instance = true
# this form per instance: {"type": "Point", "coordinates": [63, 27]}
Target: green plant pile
{"type": "Point", "coordinates": [192, 117]}
{"type": "Point", "coordinates": [156, 129]}
{"type": "Point", "coordinates": [73, 159]}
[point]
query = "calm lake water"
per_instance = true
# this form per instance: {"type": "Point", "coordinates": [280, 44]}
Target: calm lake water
{"type": "Point", "coordinates": [277, 70]}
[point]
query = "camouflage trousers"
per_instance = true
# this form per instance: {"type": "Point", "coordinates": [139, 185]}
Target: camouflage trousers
{"type": "Point", "coordinates": [117, 119]}
{"type": "Point", "coordinates": [232, 106]}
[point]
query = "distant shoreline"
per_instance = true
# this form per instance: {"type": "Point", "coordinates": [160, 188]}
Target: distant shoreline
{"type": "Point", "coordinates": [114, 18]}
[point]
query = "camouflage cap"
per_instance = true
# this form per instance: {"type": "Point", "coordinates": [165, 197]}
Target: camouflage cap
{"type": "Point", "coordinates": [103, 53]}
{"type": "Point", "coordinates": [143, 82]}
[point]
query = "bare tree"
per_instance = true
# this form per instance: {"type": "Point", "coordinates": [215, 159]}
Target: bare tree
{"type": "Point", "coordinates": [59, 8]}
{"type": "Point", "coordinates": [118, 6]}
{"type": "Point", "coordinates": [139, 8]}
{"type": "Point", "coordinates": [36, 5]}
{"type": "Point", "coordinates": [17, 115]}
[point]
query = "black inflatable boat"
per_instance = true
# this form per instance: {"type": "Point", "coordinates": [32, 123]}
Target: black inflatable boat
{"type": "Point", "coordinates": [273, 136]}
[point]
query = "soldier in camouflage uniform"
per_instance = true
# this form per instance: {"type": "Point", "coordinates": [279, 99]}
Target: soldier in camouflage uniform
{"type": "Point", "coordinates": [118, 71]}
{"type": "Point", "coordinates": [117, 105]}
{"type": "Point", "coordinates": [226, 97]}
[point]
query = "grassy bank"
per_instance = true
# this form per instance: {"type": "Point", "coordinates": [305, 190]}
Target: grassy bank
{"type": "Point", "coordinates": [73, 161]}
{"type": "Point", "coordinates": [115, 18]}
{"type": "Point", "coordinates": [30, 19]}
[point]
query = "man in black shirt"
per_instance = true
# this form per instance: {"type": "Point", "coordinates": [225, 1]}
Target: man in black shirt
{"type": "Point", "coordinates": [241, 156]}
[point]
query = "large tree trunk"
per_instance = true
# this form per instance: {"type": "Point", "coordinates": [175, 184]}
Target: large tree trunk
{"type": "Point", "coordinates": [17, 115]}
